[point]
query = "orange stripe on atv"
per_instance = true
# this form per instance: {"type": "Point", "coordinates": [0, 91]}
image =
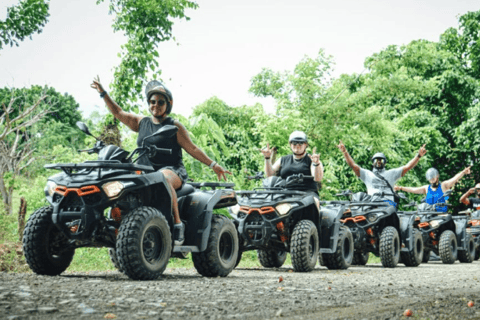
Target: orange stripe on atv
{"type": "Point", "coordinates": [423, 224]}
{"type": "Point", "coordinates": [475, 223]}
{"type": "Point", "coordinates": [263, 210]}
{"type": "Point", "coordinates": [353, 219]}
{"type": "Point", "coordinates": [83, 191]}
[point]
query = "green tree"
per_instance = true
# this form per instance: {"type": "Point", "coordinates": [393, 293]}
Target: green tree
{"type": "Point", "coordinates": [146, 23]}
{"type": "Point", "coordinates": [23, 20]}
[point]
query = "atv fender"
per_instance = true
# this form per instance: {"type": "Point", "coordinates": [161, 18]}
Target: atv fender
{"type": "Point", "coordinates": [406, 231]}
{"type": "Point", "coordinates": [461, 233]}
{"type": "Point", "coordinates": [197, 209]}
{"type": "Point", "coordinates": [330, 227]}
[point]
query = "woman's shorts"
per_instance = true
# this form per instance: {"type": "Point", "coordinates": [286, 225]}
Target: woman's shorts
{"type": "Point", "coordinates": [180, 171]}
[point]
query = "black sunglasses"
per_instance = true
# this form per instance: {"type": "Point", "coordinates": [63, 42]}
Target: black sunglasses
{"type": "Point", "coordinates": [297, 143]}
{"type": "Point", "coordinates": [159, 102]}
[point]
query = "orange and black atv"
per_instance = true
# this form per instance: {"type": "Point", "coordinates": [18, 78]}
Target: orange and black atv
{"type": "Point", "coordinates": [114, 202]}
{"type": "Point", "coordinates": [473, 227]}
{"type": "Point", "coordinates": [444, 234]}
{"type": "Point", "coordinates": [377, 228]}
{"type": "Point", "coordinates": [276, 219]}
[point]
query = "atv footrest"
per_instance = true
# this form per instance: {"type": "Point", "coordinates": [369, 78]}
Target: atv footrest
{"type": "Point", "coordinates": [186, 249]}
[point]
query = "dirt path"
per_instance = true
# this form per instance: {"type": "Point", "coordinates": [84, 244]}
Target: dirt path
{"type": "Point", "coordinates": [433, 291]}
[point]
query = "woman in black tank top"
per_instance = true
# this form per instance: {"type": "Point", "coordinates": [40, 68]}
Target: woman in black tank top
{"type": "Point", "coordinates": [160, 102]}
{"type": "Point", "coordinates": [298, 162]}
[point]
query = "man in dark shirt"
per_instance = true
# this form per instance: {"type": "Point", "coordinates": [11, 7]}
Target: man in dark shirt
{"type": "Point", "coordinates": [475, 202]}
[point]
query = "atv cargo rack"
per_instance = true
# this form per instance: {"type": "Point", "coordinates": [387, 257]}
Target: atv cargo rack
{"type": "Point", "coordinates": [89, 166]}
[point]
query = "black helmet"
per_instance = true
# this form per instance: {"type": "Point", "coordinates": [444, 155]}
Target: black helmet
{"type": "Point", "coordinates": [379, 155]}
{"type": "Point", "coordinates": [156, 86]}
{"type": "Point", "coordinates": [298, 136]}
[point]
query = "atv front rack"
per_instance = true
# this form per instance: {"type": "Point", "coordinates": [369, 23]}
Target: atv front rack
{"type": "Point", "coordinates": [272, 192]}
{"type": "Point", "coordinates": [212, 185]}
{"type": "Point", "coordinates": [358, 204]}
{"type": "Point", "coordinates": [89, 166]}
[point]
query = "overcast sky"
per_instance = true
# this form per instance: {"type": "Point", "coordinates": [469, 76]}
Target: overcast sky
{"type": "Point", "coordinates": [223, 46]}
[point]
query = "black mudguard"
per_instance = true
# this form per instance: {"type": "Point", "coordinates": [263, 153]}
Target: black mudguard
{"type": "Point", "coordinates": [406, 231]}
{"type": "Point", "coordinates": [197, 209]}
{"type": "Point", "coordinates": [330, 227]}
{"type": "Point", "coordinates": [461, 233]}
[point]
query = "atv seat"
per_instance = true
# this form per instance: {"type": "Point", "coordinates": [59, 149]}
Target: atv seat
{"type": "Point", "coordinates": [185, 190]}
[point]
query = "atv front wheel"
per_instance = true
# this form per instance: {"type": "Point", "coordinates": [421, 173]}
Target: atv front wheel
{"type": "Point", "coordinates": [477, 254]}
{"type": "Point", "coordinates": [144, 244]}
{"type": "Point", "coordinates": [271, 258]}
{"type": "Point", "coordinates": [414, 257]}
{"type": "Point", "coordinates": [44, 246]}
{"type": "Point", "coordinates": [113, 258]}
{"type": "Point", "coordinates": [221, 255]}
{"type": "Point", "coordinates": [360, 258]}
{"type": "Point", "coordinates": [389, 247]}
{"type": "Point", "coordinates": [343, 255]}
{"type": "Point", "coordinates": [304, 246]}
{"type": "Point", "coordinates": [447, 247]}
{"type": "Point", "coordinates": [467, 256]}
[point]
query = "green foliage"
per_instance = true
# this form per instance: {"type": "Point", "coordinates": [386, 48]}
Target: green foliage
{"type": "Point", "coordinates": [146, 23]}
{"type": "Point", "coordinates": [23, 20]}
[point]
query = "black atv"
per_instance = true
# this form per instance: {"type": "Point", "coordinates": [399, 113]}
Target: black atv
{"type": "Point", "coordinates": [473, 227]}
{"type": "Point", "coordinates": [443, 233]}
{"type": "Point", "coordinates": [377, 228]}
{"type": "Point", "coordinates": [113, 202]}
{"type": "Point", "coordinates": [276, 219]}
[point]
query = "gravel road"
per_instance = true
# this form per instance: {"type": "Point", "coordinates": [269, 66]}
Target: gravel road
{"type": "Point", "coordinates": [431, 291]}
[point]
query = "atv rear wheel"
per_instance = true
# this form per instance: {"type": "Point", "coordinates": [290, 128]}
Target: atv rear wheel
{"type": "Point", "coordinates": [343, 255]}
{"type": "Point", "coordinates": [304, 246]}
{"type": "Point", "coordinates": [477, 254]}
{"type": "Point", "coordinates": [221, 254]}
{"type": "Point", "coordinates": [271, 258]}
{"type": "Point", "coordinates": [144, 244]}
{"type": "Point", "coordinates": [389, 247]}
{"type": "Point", "coordinates": [239, 258]}
{"type": "Point", "coordinates": [447, 247]}
{"type": "Point", "coordinates": [360, 258]}
{"type": "Point", "coordinates": [414, 257]}
{"type": "Point", "coordinates": [44, 246]}
{"type": "Point", "coordinates": [468, 255]}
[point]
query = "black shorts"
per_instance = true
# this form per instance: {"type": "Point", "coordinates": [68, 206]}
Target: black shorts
{"type": "Point", "coordinates": [180, 171]}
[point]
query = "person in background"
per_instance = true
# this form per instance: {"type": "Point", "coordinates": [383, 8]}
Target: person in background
{"type": "Point", "coordinates": [379, 181]}
{"type": "Point", "coordinates": [298, 162]}
{"type": "Point", "coordinates": [475, 202]}
{"type": "Point", "coordinates": [435, 189]}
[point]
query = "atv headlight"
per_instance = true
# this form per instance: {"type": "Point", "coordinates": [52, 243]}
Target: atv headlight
{"type": "Point", "coordinates": [50, 188]}
{"type": "Point", "coordinates": [112, 189]}
{"type": "Point", "coordinates": [372, 217]}
{"type": "Point", "coordinates": [283, 208]}
{"type": "Point", "coordinates": [434, 223]}
{"type": "Point", "coordinates": [234, 209]}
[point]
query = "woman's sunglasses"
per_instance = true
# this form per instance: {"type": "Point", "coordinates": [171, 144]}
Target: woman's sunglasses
{"type": "Point", "coordinates": [159, 102]}
{"type": "Point", "coordinates": [296, 143]}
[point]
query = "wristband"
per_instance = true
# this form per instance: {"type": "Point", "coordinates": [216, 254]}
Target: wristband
{"type": "Point", "coordinates": [315, 164]}
{"type": "Point", "coordinates": [418, 155]}
{"type": "Point", "coordinates": [267, 158]}
{"type": "Point", "coordinates": [102, 94]}
{"type": "Point", "coordinates": [212, 164]}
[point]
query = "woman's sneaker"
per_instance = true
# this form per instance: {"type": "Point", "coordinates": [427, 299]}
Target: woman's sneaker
{"type": "Point", "coordinates": [179, 233]}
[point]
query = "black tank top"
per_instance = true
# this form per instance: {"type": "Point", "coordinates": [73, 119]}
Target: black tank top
{"type": "Point", "coordinates": [147, 127]}
{"type": "Point", "coordinates": [290, 166]}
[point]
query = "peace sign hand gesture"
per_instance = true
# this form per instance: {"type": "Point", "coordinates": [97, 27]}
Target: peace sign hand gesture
{"type": "Point", "coordinates": [315, 157]}
{"type": "Point", "coordinates": [267, 152]}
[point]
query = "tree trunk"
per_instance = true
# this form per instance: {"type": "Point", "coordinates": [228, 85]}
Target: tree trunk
{"type": "Point", "coordinates": [6, 197]}
{"type": "Point", "coordinates": [21, 218]}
